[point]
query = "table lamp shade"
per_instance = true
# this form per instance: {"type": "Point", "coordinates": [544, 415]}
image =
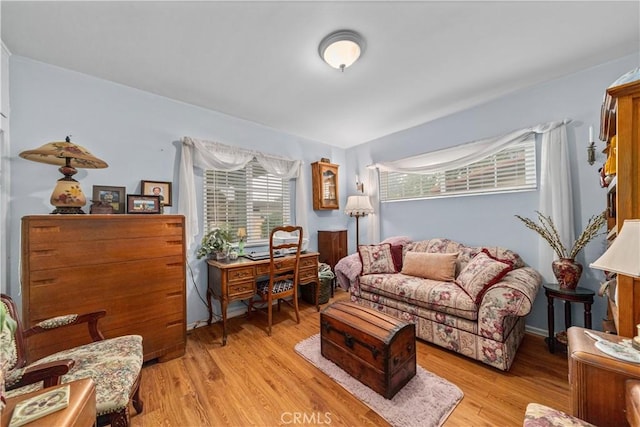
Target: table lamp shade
{"type": "Point", "coordinates": [67, 196]}
{"type": "Point", "coordinates": [56, 153]}
{"type": "Point", "coordinates": [623, 256]}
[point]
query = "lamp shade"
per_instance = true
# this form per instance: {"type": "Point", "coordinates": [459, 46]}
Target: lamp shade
{"type": "Point", "coordinates": [341, 48]}
{"type": "Point", "coordinates": [623, 256]}
{"type": "Point", "coordinates": [67, 196]}
{"type": "Point", "coordinates": [358, 206]}
{"type": "Point", "coordinates": [57, 153]}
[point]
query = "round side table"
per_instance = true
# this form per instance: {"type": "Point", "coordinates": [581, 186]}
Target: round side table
{"type": "Point", "coordinates": [579, 295]}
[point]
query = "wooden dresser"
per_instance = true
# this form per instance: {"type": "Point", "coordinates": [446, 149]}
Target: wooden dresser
{"type": "Point", "coordinates": [133, 266]}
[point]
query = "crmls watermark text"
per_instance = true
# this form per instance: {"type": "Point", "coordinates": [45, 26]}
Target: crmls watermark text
{"type": "Point", "coordinates": [316, 418]}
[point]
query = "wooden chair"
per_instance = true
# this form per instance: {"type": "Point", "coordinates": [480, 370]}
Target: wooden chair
{"type": "Point", "coordinates": [115, 364]}
{"type": "Point", "coordinates": [283, 275]}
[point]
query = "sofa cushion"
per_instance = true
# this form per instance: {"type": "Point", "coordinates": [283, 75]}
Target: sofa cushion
{"type": "Point", "coordinates": [376, 259]}
{"type": "Point", "coordinates": [435, 266]}
{"type": "Point", "coordinates": [396, 254]}
{"type": "Point", "coordinates": [442, 297]}
{"type": "Point", "coordinates": [480, 273]}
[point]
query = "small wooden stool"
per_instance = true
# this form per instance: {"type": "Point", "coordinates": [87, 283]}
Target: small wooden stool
{"type": "Point", "coordinates": [376, 349]}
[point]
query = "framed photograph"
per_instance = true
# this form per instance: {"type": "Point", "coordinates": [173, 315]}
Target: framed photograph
{"type": "Point", "coordinates": [141, 204]}
{"type": "Point", "coordinates": [112, 195]}
{"type": "Point", "coordinates": [161, 189]}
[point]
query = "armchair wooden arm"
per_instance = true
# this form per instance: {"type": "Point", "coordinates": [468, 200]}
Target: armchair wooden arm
{"type": "Point", "coordinates": [69, 320]}
{"type": "Point", "coordinates": [49, 372]}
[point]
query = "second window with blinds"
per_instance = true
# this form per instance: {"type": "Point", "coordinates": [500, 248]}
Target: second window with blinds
{"type": "Point", "coordinates": [512, 169]}
{"type": "Point", "coordinates": [248, 198]}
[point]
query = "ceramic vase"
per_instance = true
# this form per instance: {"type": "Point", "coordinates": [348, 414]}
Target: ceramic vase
{"type": "Point", "coordinates": [567, 272]}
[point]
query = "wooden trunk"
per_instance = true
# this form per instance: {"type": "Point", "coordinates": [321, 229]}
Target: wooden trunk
{"type": "Point", "coordinates": [376, 349]}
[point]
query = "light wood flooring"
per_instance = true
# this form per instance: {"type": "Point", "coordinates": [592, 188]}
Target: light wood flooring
{"type": "Point", "coordinates": [261, 381]}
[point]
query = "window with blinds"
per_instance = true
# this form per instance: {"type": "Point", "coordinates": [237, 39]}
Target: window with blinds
{"type": "Point", "coordinates": [248, 198]}
{"type": "Point", "coordinates": [512, 169]}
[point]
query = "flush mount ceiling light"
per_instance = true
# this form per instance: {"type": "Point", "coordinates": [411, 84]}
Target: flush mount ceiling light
{"type": "Point", "coordinates": [341, 49]}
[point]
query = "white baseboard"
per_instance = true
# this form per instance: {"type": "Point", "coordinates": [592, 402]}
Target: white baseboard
{"type": "Point", "coordinates": [536, 331]}
{"type": "Point", "coordinates": [238, 311]}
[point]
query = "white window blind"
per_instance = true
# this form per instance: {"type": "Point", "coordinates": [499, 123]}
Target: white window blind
{"type": "Point", "coordinates": [248, 198]}
{"type": "Point", "coordinates": [511, 169]}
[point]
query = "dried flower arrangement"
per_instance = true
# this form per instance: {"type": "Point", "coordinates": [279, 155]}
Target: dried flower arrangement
{"type": "Point", "coordinates": [547, 229]}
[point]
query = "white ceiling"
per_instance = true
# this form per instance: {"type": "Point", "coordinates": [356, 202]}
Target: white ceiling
{"type": "Point", "coordinates": [259, 60]}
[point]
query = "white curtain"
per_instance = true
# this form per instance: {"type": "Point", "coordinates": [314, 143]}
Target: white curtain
{"type": "Point", "coordinates": [373, 225]}
{"type": "Point", "coordinates": [208, 155]}
{"type": "Point", "coordinates": [556, 197]}
{"type": "Point", "coordinates": [556, 194]}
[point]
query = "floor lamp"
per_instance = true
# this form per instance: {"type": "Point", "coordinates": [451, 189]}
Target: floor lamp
{"type": "Point", "coordinates": [358, 206]}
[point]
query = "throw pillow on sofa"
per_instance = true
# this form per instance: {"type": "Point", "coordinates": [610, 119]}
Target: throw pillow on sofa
{"type": "Point", "coordinates": [376, 259]}
{"type": "Point", "coordinates": [427, 265]}
{"type": "Point", "coordinates": [480, 273]}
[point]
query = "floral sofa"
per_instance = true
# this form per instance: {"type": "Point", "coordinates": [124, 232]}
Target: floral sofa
{"type": "Point", "coordinates": [471, 300]}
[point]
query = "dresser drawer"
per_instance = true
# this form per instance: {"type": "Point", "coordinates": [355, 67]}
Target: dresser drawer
{"type": "Point", "coordinates": [248, 287]}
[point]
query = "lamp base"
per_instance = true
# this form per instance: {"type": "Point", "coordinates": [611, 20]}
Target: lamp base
{"type": "Point", "coordinates": [67, 210]}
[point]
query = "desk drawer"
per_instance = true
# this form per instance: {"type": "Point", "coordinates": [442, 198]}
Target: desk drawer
{"type": "Point", "coordinates": [309, 262]}
{"type": "Point", "coordinates": [241, 273]}
{"type": "Point", "coordinates": [247, 287]}
{"type": "Point", "coordinates": [308, 275]}
{"type": "Point", "coordinates": [262, 270]}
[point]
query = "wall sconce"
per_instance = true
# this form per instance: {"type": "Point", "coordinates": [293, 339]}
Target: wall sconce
{"type": "Point", "coordinates": [359, 185]}
{"type": "Point", "coordinates": [591, 148]}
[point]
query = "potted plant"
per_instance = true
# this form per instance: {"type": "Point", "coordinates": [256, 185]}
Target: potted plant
{"type": "Point", "coordinates": [215, 242]}
{"type": "Point", "coordinates": [566, 269]}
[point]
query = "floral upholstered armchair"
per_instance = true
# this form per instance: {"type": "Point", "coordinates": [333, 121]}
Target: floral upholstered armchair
{"type": "Point", "coordinates": [115, 364]}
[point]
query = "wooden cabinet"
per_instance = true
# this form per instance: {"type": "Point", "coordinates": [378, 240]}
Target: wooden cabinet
{"type": "Point", "coordinates": [332, 245]}
{"type": "Point", "coordinates": [133, 266]}
{"type": "Point", "coordinates": [625, 193]}
{"type": "Point", "coordinates": [597, 380]}
{"type": "Point", "coordinates": [325, 185]}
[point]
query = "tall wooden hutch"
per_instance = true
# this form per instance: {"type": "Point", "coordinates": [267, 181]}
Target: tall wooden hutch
{"type": "Point", "coordinates": [622, 114]}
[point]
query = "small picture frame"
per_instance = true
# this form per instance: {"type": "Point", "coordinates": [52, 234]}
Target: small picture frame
{"type": "Point", "coordinates": [141, 204]}
{"type": "Point", "coordinates": [112, 195]}
{"type": "Point", "coordinates": [161, 189]}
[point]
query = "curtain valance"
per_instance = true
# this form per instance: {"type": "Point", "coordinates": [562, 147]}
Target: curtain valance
{"type": "Point", "coordinates": [209, 155]}
{"type": "Point", "coordinates": [463, 155]}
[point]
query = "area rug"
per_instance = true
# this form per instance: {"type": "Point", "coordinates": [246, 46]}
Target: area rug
{"type": "Point", "coordinates": [427, 400]}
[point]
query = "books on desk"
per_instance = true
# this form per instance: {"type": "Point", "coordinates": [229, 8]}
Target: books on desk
{"type": "Point", "coordinates": [257, 256]}
{"type": "Point", "coordinates": [40, 405]}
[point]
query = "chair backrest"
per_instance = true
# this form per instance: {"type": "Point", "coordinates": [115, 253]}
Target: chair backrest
{"type": "Point", "coordinates": [12, 342]}
{"type": "Point", "coordinates": [284, 268]}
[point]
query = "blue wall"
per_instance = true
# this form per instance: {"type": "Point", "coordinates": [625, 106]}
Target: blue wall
{"type": "Point", "coordinates": [138, 134]}
{"type": "Point", "coordinates": [489, 219]}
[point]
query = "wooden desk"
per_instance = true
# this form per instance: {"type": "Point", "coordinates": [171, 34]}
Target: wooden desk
{"type": "Point", "coordinates": [81, 411]}
{"type": "Point", "coordinates": [236, 280]}
{"type": "Point", "coordinates": [597, 380]}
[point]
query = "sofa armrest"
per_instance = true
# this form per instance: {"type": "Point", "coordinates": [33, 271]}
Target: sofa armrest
{"type": "Point", "coordinates": [348, 272]}
{"type": "Point", "coordinates": [511, 296]}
